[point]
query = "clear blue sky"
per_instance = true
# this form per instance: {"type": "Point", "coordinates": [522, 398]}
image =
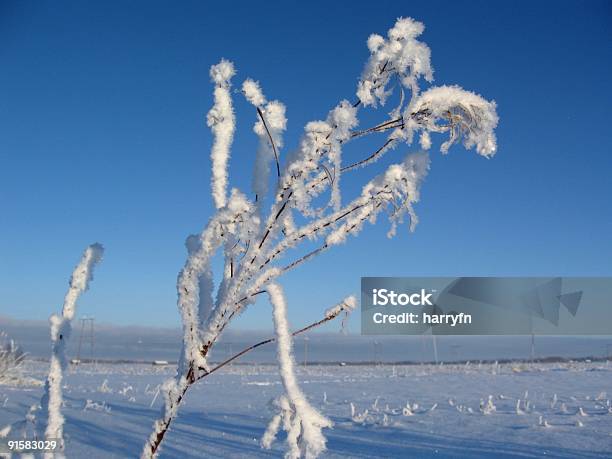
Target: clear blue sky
{"type": "Point", "coordinates": [102, 138]}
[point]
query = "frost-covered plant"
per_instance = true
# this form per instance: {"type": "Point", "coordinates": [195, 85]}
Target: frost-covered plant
{"type": "Point", "coordinates": [11, 360]}
{"type": "Point", "coordinates": [305, 205]}
{"type": "Point", "coordinates": [61, 325]}
{"type": "Point", "coordinates": [302, 422]}
{"type": "Point", "coordinates": [51, 401]}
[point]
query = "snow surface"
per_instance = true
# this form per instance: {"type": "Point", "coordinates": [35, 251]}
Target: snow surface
{"type": "Point", "coordinates": [109, 410]}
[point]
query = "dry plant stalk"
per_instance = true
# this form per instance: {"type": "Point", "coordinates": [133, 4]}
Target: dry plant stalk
{"type": "Point", "coordinates": [306, 205]}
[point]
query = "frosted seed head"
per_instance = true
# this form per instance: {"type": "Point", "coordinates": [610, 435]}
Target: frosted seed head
{"type": "Point", "coordinates": [221, 73]}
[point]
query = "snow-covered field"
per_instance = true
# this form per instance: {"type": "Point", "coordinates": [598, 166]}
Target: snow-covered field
{"type": "Point", "coordinates": [412, 411]}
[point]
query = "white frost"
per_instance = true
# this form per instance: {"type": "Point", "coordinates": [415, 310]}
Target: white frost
{"type": "Point", "coordinates": [348, 305]}
{"type": "Point", "coordinates": [302, 422]}
{"type": "Point", "coordinates": [269, 134]}
{"type": "Point", "coordinates": [400, 54]}
{"type": "Point", "coordinates": [222, 122]}
{"type": "Point", "coordinates": [253, 238]}
{"type": "Point", "coordinates": [464, 114]}
{"type": "Point", "coordinates": [52, 400]}
{"type": "Point", "coordinates": [252, 92]}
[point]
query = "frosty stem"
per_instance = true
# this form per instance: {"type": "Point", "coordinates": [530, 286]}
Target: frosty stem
{"type": "Point", "coordinates": [253, 241]}
{"type": "Point", "coordinates": [164, 424]}
{"type": "Point", "coordinates": [263, 120]}
{"type": "Point", "coordinates": [267, 341]}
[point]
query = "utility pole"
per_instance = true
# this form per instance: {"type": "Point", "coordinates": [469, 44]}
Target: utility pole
{"type": "Point", "coordinates": [532, 339]}
{"type": "Point", "coordinates": [87, 327]}
{"type": "Point", "coordinates": [423, 349]}
{"type": "Point", "coordinates": [435, 347]}
{"type": "Point", "coordinates": [377, 352]}
{"type": "Point", "coordinates": [306, 350]}
{"type": "Point", "coordinates": [229, 350]}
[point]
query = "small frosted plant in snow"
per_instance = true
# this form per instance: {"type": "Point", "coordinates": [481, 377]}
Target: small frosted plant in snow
{"type": "Point", "coordinates": [407, 410]}
{"type": "Point", "coordinates": [375, 404]}
{"type": "Point", "coordinates": [156, 394]}
{"type": "Point", "coordinates": [488, 407]}
{"type": "Point", "coordinates": [11, 361]}
{"type": "Point", "coordinates": [518, 409]}
{"type": "Point", "coordinates": [95, 406]}
{"type": "Point", "coordinates": [104, 387]}
{"type": "Point", "coordinates": [126, 389]}
{"type": "Point", "coordinates": [296, 207]}
{"type": "Point", "coordinates": [61, 325]}
{"type": "Point", "coordinates": [358, 418]}
{"type": "Point", "coordinates": [543, 422]}
{"type": "Point", "coordinates": [52, 400]}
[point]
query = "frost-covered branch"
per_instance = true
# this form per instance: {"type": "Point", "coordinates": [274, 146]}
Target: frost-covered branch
{"type": "Point", "coordinates": [301, 420]}
{"type": "Point", "coordinates": [222, 122]}
{"type": "Point", "coordinates": [465, 114]}
{"type": "Point", "coordinates": [400, 55]}
{"type": "Point", "coordinates": [269, 128]}
{"type": "Point", "coordinates": [347, 306]}
{"type": "Point", "coordinates": [307, 203]}
{"type": "Point", "coordinates": [234, 220]}
{"type": "Point", "coordinates": [51, 401]}
{"type": "Point", "coordinates": [174, 389]}
{"type": "Point", "coordinates": [400, 182]}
